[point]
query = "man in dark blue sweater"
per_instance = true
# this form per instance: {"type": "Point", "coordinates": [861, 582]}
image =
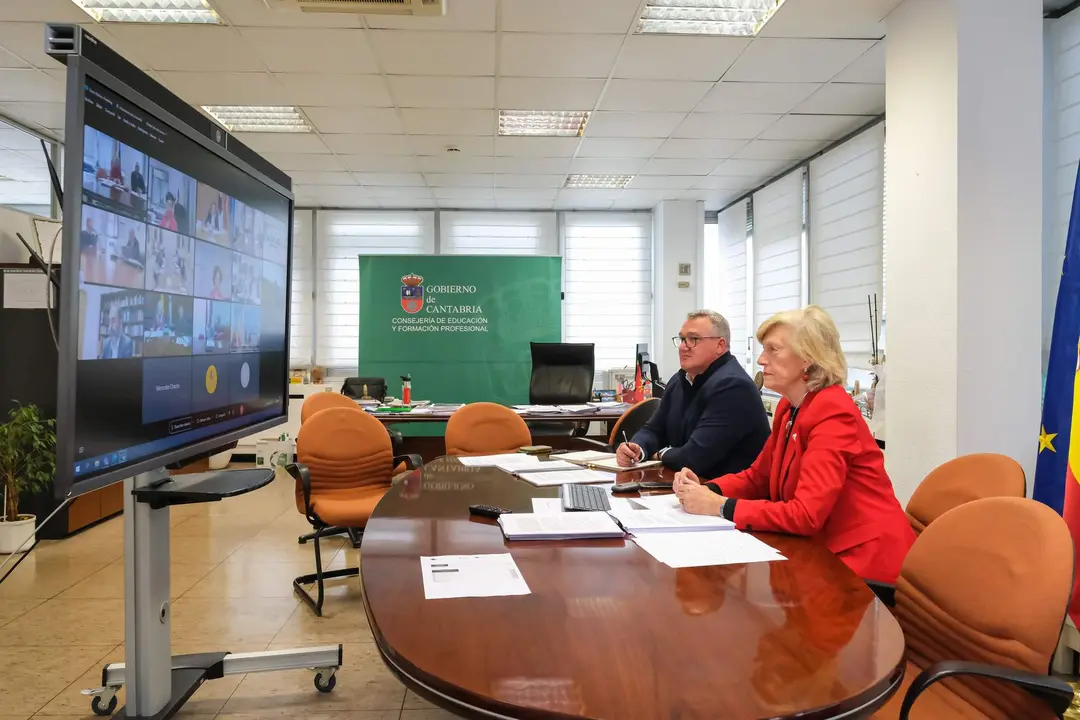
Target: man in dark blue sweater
{"type": "Point", "coordinates": [710, 419]}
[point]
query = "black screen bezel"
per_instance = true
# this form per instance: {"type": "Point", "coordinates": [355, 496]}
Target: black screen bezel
{"type": "Point", "coordinates": [79, 68]}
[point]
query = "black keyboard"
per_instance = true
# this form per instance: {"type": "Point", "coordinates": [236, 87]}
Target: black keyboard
{"type": "Point", "coordinates": [584, 497]}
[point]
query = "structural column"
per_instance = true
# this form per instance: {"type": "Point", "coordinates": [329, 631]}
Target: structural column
{"type": "Point", "coordinates": [678, 239]}
{"type": "Point", "coordinates": [964, 184]}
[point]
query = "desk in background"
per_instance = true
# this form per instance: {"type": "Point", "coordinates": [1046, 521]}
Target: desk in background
{"type": "Point", "coordinates": [608, 632]}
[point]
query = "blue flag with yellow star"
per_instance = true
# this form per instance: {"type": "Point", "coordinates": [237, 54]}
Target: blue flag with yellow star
{"type": "Point", "coordinates": [1055, 434]}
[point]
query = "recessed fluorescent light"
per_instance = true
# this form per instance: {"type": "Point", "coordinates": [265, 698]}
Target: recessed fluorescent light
{"type": "Point", "coordinates": [606, 182]}
{"type": "Point", "coordinates": [150, 11]}
{"type": "Point", "coordinates": [257, 118]}
{"type": "Point", "coordinates": [740, 18]}
{"type": "Point", "coordinates": [543, 123]}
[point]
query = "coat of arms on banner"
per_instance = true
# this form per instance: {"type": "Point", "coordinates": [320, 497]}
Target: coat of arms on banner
{"type": "Point", "coordinates": [412, 293]}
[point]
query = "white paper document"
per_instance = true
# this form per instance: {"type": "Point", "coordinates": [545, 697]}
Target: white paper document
{"type": "Point", "coordinates": [27, 290]}
{"type": "Point", "coordinates": [560, 526]}
{"type": "Point", "coordinates": [699, 549]}
{"type": "Point", "coordinates": [576, 408]}
{"type": "Point", "coordinates": [647, 521]}
{"type": "Point", "coordinates": [531, 463]}
{"type": "Point", "coordinates": [547, 506]}
{"type": "Point", "coordinates": [586, 456]}
{"type": "Point", "coordinates": [546, 478]}
{"type": "Point", "coordinates": [659, 502]}
{"type": "Point", "coordinates": [487, 460]}
{"type": "Point", "coordinates": [458, 576]}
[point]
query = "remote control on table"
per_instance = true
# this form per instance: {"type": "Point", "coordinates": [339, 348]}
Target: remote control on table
{"type": "Point", "coordinates": [489, 511]}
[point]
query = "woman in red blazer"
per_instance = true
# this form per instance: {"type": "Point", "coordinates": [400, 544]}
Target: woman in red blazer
{"type": "Point", "coordinates": [820, 474]}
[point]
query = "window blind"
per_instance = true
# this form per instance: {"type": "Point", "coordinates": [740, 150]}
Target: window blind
{"type": "Point", "coordinates": [733, 304]}
{"type": "Point", "coordinates": [712, 275]}
{"type": "Point", "coordinates": [846, 237]}
{"type": "Point", "coordinates": [607, 269]}
{"type": "Point", "coordinates": [301, 303]}
{"type": "Point", "coordinates": [498, 233]}
{"type": "Point", "coordinates": [777, 252]}
{"type": "Point", "coordinates": [342, 237]}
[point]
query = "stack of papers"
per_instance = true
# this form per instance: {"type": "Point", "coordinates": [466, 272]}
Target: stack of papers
{"type": "Point", "coordinates": [659, 502]}
{"type": "Point", "coordinates": [548, 478]}
{"type": "Point", "coordinates": [637, 522]}
{"type": "Point", "coordinates": [585, 456]}
{"type": "Point", "coordinates": [576, 408]}
{"type": "Point", "coordinates": [457, 576]}
{"type": "Point", "coordinates": [536, 409]}
{"type": "Point", "coordinates": [699, 549]}
{"type": "Point", "coordinates": [559, 526]}
{"type": "Point", "coordinates": [489, 460]}
{"type": "Point", "coordinates": [531, 463]}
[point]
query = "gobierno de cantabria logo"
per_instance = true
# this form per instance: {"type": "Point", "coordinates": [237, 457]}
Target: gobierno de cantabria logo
{"type": "Point", "coordinates": [412, 293]}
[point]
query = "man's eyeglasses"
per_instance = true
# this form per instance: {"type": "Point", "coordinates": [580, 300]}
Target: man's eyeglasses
{"type": "Point", "coordinates": [692, 340]}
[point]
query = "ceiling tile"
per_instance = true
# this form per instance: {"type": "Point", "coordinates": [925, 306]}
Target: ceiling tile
{"type": "Point", "coordinates": [868, 68]}
{"type": "Point", "coordinates": [830, 19]}
{"type": "Point", "coordinates": [674, 57]}
{"type": "Point", "coordinates": [536, 147]}
{"type": "Point", "coordinates": [619, 147]}
{"type": "Point", "coordinates": [794, 60]}
{"type": "Point", "coordinates": [456, 163]}
{"type": "Point", "coordinates": [523, 204]}
{"type": "Point", "coordinates": [463, 193]}
{"type": "Point", "coordinates": [437, 145]}
{"type": "Point", "coordinates": [814, 127]}
{"type": "Point", "coordinates": [547, 94]}
{"type": "Point", "coordinates": [460, 180]}
{"type": "Point", "coordinates": [381, 121]}
{"type": "Point", "coordinates": [466, 203]}
{"type": "Point", "coordinates": [476, 15]}
{"type": "Point", "coordinates": [379, 163]}
{"type": "Point", "coordinates": [570, 56]}
{"type": "Point", "coordinates": [724, 126]}
{"type": "Point", "coordinates": [569, 16]}
{"type": "Point", "coordinates": [639, 199]}
{"type": "Point", "coordinates": [290, 162]}
{"type": "Point", "coordinates": [29, 86]}
{"type": "Point", "coordinates": [534, 165]}
{"type": "Point", "coordinates": [607, 166]}
{"type": "Point", "coordinates": [13, 139]}
{"type": "Point", "coordinates": [26, 42]}
{"type": "Point", "coordinates": [416, 91]}
{"type": "Point", "coordinates": [356, 144]}
{"type": "Point", "coordinates": [255, 13]}
{"type": "Point", "coordinates": [209, 48]}
{"type": "Point", "coordinates": [627, 125]}
{"type": "Point", "coordinates": [527, 181]}
{"type": "Point", "coordinates": [46, 115]}
{"type": "Point", "coordinates": [283, 142]}
{"type": "Point", "coordinates": [448, 121]}
{"type": "Point", "coordinates": [333, 196]}
{"type": "Point", "coordinates": [679, 166]}
{"type": "Point", "coordinates": [663, 182]}
{"type": "Point", "coordinates": [40, 173]}
{"type": "Point", "coordinates": [750, 168]}
{"type": "Point", "coordinates": [308, 177]}
{"type": "Point", "coordinates": [779, 150]}
{"type": "Point", "coordinates": [407, 179]}
{"type": "Point", "coordinates": [724, 182]}
{"type": "Point", "coordinates": [586, 199]}
{"type": "Point", "coordinates": [846, 98]}
{"type": "Point", "coordinates": [413, 193]}
{"type": "Point", "coordinates": [300, 50]}
{"type": "Point", "coordinates": [699, 148]}
{"type": "Point", "coordinates": [653, 95]}
{"type": "Point", "coordinates": [419, 53]}
{"type": "Point", "coordinates": [755, 97]}
{"type": "Point", "coordinates": [328, 89]}
{"type": "Point", "coordinates": [206, 88]}
{"type": "Point", "coordinates": [525, 196]}
{"type": "Point", "coordinates": [11, 161]}
{"type": "Point", "coordinates": [42, 11]}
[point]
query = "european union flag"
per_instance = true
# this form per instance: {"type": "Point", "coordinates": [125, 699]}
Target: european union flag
{"type": "Point", "coordinates": [1055, 475]}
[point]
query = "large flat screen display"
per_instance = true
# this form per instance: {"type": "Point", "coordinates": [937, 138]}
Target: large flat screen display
{"type": "Point", "coordinates": [182, 292]}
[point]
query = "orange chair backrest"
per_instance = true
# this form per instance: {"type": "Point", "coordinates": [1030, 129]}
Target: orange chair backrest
{"type": "Point", "coordinates": [988, 581]}
{"type": "Point", "coordinates": [344, 450]}
{"type": "Point", "coordinates": [322, 400]}
{"type": "Point", "coordinates": [958, 481]}
{"type": "Point", "coordinates": [485, 429]}
{"type": "Point", "coordinates": [645, 408]}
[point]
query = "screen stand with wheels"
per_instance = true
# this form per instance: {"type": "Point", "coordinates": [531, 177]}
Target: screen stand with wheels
{"type": "Point", "coordinates": [160, 682]}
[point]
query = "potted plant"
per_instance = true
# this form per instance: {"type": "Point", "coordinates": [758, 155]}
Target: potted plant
{"type": "Point", "coordinates": [27, 465]}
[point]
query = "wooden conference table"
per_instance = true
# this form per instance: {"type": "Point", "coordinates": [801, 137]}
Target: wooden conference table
{"type": "Point", "coordinates": [609, 632]}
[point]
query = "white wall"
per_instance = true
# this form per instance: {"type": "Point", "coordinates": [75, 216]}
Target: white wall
{"type": "Point", "coordinates": [11, 222]}
{"type": "Point", "coordinates": [678, 237]}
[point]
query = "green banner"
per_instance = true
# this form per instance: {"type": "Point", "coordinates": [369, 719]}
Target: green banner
{"type": "Point", "coordinates": [460, 325]}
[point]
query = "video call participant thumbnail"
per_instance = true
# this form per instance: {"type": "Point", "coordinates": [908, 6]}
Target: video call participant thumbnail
{"type": "Point", "coordinates": [167, 325]}
{"type": "Point", "coordinates": [166, 389]}
{"type": "Point", "coordinates": [210, 382]}
{"type": "Point", "coordinates": [274, 299]}
{"type": "Point", "coordinates": [243, 228]}
{"type": "Point", "coordinates": [171, 202]}
{"type": "Point", "coordinates": [244, 377]}
{"type": "Point", "coordinates": [245, 328]}
{"type": "Point", "coordinates": [213, 326]}
{"type": "Point", "coordinates": [112, 249]}
{"type": "Point", "coordinates": [114, 171]}
{"type": "Point", "coordinates": [275, 236]}
{"type": "Point", "coordinates": [212, 215]}
{"type": "Point", "coordinates": [110, 323]}
{"type": "Point", "coordinates": [213, 271]}
{"type": "Point", "coordinates": [246, 279]}
{"type": "Point", "coordinates": [170, 262]}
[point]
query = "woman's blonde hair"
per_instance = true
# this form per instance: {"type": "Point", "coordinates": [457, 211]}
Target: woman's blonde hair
{"type": "Point", "coordinates": [814, 338]}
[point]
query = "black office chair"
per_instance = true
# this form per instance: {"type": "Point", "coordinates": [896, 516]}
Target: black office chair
{"type": "Point", "coordinates": [631, 421]}
{"type": "Point", "coordinates": [562, 374]}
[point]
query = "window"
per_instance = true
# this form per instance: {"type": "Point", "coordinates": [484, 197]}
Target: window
{"type": "Point", "coordinates": [498, 233]}
{"type": "Point", "coordinates": [301, 304]}
{"type": "Point", "coordinates": [607, 270]}
{"type": "Point", "coordinates": [732, 232]}
{"type": "Point", "coordinates": [846, 223]}
{"type": "Point", "coordinates": [24, 173]}
{"type": "Point", "coordinates": [712, 279]}
{"type": "Point", "coordinates": [342, 237]}
{"type": "Point", "coordinates": [778, 229]}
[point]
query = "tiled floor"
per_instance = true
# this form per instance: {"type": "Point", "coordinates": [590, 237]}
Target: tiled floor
{"type": "Point", "coordinates": [61, 618]}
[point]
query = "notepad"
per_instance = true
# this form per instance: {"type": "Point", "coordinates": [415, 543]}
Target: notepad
{"type": "Point", "coordinates": [561, 526]}
{"type": "Point", "coordinates": [648, 521]}
{"type": "Point", "coordinates": [586, 456]}
{"type": "Point", "coordinates": [530, 463]}
{"type": "Point", "coordinates": [612, 465]}
{"type": "Point", "coordinates": [563, 477]}
{"type": "Point", "coordinates": [700, 549]}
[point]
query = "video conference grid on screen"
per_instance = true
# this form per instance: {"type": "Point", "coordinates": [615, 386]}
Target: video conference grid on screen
{"type": "Point", "coordinates": [182, 290]}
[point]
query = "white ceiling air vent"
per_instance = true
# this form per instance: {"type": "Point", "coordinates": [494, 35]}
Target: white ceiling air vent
{"type": "Point", "coordinates": [364, 7]}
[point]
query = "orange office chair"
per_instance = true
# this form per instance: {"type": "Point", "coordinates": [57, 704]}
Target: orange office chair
{"type": "Point", "coordinates": [958, 481]}
{"type": "Point", "coordinates": [344, 465]}
{"type": "Point", "coordinates": [485, 429]}
{"type": "Point", "coordinates": [981, 599]}
{"type": "Point", "coordinates": [628, 424]}
{"type": "Point", "coordinates": [322, 400]}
